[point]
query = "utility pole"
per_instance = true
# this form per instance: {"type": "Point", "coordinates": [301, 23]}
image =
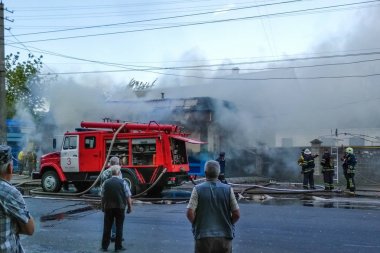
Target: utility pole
{"type": "Point", "coordinates": [3, 110]}
{"type": "Point", "coordinates": [3, 104]}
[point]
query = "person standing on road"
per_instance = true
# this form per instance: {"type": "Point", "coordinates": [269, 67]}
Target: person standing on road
{"type": "Point", "coordinates": [349, 163]}
{"type": "Point", "coordinates": [222, 163]}
{"type": "Point", "coordinates": [31, 161]}
{"type": "Point", "coordinates": [107, 174]}
{"type": "Point", "coordinates": [14, 215]}
{"type": "Point", "coordinates": [327, 170]}
{"type": "Point", "coordinates": [116, 196]}
{"type": "Point", "coordinates": [213, 211]}
{"type": "Point", "coordinates": [306, 161]}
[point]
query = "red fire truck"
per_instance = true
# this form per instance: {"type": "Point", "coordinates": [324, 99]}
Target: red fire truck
{"type": "Point", "coordinates": [145, 151]}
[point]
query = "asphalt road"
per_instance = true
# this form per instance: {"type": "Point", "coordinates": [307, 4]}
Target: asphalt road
{"type": "Point", "coordinates": [315, 225]}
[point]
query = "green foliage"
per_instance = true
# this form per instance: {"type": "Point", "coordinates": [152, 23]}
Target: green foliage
{"type": "Point", "coordinates": [23, 85]}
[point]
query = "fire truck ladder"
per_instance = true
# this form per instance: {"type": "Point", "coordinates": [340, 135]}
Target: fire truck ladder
{"type": "Point", "coordinates": [335, 156]}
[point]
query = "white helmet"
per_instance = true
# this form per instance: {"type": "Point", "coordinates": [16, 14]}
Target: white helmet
{"type": "Point", "coordinates": [349, 150]}
{"type": "Point", "coordinates": [307, 152]}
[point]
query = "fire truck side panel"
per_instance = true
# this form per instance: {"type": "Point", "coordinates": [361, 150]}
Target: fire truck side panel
{"type": "Point", "coordinates": [177, 156]}
{"type": "Point", "coordinates": [139, 154]}
{"type": "Point", "coordinates": [144, 151]}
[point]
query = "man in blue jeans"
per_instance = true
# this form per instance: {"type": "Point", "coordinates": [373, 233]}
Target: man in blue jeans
{"type": "Point", "coordinates": [213, 211]}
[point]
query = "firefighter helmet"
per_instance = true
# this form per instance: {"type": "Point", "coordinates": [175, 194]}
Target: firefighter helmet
{"type": "Point", "coordinates": [349, 150]}
{"type": "Point", "coordinates": [307, 152]}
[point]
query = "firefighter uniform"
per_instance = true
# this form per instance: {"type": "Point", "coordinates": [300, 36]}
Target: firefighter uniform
{"type": "Point", "coordinates": [31, 161]}
{"type": "Point", "coordinates": [349, 163]}
{"type": "Point", "coordinates": [306, 161]}
{"type": "Point", "coordinates": [21, 162]}
{"type": "Point", "coordinates": [222, 163]}
{"type": "Point", "coordinates": [328, 171]}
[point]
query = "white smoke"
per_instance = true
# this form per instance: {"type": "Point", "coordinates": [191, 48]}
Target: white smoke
{"type": "Point", "coordinates": [267, 102]}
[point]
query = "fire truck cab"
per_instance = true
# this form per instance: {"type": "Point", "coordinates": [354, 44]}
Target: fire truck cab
{"type": "Point", "coordinates": [145, 152]}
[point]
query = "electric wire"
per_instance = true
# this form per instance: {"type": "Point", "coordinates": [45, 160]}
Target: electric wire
{"type": "Point", "coordinates": [150, 69]}
{"type": "Point", "coordinates": [27, 49]}
{"type": "Point", "coordinates": [127, 5]}
{"type": "Point", "coordinates": [332, 56]}
{"type": "Point", "coordinates": [228, 79]}
{"type": "Point", "coordinates": [202, 22]}
{"type": "Point", "coordinates": [164, 11]}
{"type": "Point", "coordinates": [163, 18]}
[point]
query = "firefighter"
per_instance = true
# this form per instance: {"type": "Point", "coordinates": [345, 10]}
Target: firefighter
{"type": "Point", "coordinates": [21, 161]}
{"type": "Point", "coordinates": [306, 161]}
{"type": "Point", "coordinates": [222, 163]}
{"type": "Point", "coordinates": [327, 170]}
{"type": "Point", "coordinates": [349, 162]}
{"type": "Point", "coordinates": [31, 161]}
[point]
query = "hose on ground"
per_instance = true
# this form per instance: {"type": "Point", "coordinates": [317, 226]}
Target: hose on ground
{"type": "Point", "coordinates": [278, 190]}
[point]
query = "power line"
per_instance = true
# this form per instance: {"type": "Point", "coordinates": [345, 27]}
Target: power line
{"type": "Point", "coordinates": [289, 59]}
{"type": "Point", "coordinates": [207, 78]}
{"type": "Point", "coordinates": [28, 49]}
{"type": "Point", "coordinates": [103, 6]}
{"type": "Point", "coordinates": [294, 67]}
{"type": "Point", "coordinates": [130, 11]}
{"type": "Point", "coordinates": [221, 78]}
{"type": "Point", "coordinates": [79, 59]}
{"type": "Point", "coordinates": [192, 67]}
{"type": "Point", "coordinates": [227, 64]}
{"type": "Point", "coordinates": [206, 22]}
{"type": "Point", "coordinates": [157, 19]}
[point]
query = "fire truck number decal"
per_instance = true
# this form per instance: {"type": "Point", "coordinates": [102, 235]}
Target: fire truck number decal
{"type": "Point", "coordinates": [68, 161]}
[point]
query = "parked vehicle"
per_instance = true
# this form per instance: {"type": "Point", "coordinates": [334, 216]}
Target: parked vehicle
{"type": "Point", "coordinates": [145, 150]}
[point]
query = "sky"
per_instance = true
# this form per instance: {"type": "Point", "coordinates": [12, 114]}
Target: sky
{"type": "Point", "coordinates": [303, 65]}
{"type": "Point", "coordinates": [83, 29]}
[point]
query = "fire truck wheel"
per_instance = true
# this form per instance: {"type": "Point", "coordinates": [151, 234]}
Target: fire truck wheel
{"type": "Point", "coordinates": [50, 182]}
{"type": "Point", "coordinates": [132, 183]}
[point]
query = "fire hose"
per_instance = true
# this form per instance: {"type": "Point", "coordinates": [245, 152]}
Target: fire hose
{"type": "Point", "coordinates": [277, 190]}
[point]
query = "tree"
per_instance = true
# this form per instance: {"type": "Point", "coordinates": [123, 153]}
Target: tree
{"type": "Point", "coordinates": [23, 85]}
